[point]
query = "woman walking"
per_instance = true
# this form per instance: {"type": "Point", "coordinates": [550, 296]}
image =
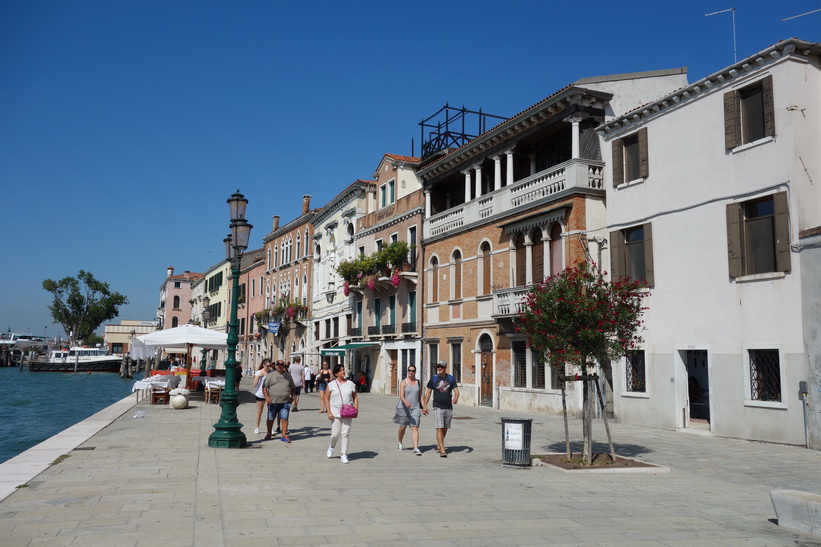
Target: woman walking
{"type": "Point", "coordinates": [409, 409]}
{"type": "Point", "coordinates": [259, 379]}
{"type": "Point", "coordinates": [322, 379]}
{"type": "Point", "coordinates": [340, 392]}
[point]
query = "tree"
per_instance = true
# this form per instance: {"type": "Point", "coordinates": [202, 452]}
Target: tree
{"type": "Point", "coordinates": [82, 303]}
{"type": "Point", "coordinates": [578, 317]}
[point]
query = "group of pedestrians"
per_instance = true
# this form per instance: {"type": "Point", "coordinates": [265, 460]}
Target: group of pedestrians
{"type": "Point", "coordinates": [278, 386]}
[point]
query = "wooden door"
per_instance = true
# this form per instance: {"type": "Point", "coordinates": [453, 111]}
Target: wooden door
{"type": "Point", "coordinates": [394, 371]}
{"type": "Point", "coordinates": [486, 360]}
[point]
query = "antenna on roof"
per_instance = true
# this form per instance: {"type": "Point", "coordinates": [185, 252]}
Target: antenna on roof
{"type": "Point", "coordinates": [801, 15]}
{"type": "Point", "coordinates": [731, 10]}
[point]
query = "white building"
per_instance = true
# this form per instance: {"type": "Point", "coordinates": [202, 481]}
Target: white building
{"type": "Point", "coordinates": [714, 197]}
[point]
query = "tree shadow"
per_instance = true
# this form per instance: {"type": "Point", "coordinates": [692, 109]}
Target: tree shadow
{"type": "Point", "coordinates": [576, 447]}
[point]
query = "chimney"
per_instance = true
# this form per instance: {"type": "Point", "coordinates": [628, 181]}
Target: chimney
{"type": "Point", "coordinates": [306, 204]}
{"type": "Point", "coordinates": [169, 271]}
{"type": "Point", "coordinates": [276, 223]}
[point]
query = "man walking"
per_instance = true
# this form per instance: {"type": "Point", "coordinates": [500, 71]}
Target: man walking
{"type": "Point", "coordinates": [297, 373]}
{"type": "Point", "coordinates": [278, 390]}
{"type": "Point", "coordinates": [445, 395]}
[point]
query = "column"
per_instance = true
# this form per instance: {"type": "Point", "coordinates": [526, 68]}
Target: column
{"type": "Point", "coordinates": [427, 203]}
{"type": "Point", "coordinates": [466, 172]}
{"type": "Point", "coordinates": [575, 153]}
{"type": "Point", "coordinates": [509, 164]}
{"type": "Point", "coordinates": [497, 172]}
{"type": "Point", "coordinates": [532, 163]}
{"type": "Point", "coordinates": [478, 181]}
{"type": "Point", "coordinates": [528, 260]}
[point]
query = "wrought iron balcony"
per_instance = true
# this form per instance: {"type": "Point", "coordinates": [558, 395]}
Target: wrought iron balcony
{"type": "Point", "coordinates": [373, 330]}
{"type": "Point", "coordinates": [409, 328]}
{"type": "Point", "coordinates": [388, 329]}
{"type": "Point", "coordinates": [356, 332]}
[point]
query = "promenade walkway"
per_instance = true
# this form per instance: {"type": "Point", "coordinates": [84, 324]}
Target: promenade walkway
{"type": "Point", "coordinates": [154, 481]}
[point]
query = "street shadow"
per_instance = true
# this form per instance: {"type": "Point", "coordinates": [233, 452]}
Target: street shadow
{"type": "Point", "coordinates": [576, 447]}
{"type": "Point", "coordinates": [364, 455]}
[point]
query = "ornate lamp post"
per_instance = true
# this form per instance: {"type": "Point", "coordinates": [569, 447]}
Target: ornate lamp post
{"type": "Point", "coordinates": [228, 431]}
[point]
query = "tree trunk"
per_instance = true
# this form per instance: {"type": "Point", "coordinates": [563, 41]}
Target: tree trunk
{"type": "Point", "coordinates": [564, 414]}
{"type": "Point", "coordinates": [587, 421]}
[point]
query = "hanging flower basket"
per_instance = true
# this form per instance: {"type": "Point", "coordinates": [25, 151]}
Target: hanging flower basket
{"type": "Point", "coordinates": [395, 279]}
{"type": "Point", "coordinates": [346, 288]}
{"type": "Point", "coordinates": [370, 282]}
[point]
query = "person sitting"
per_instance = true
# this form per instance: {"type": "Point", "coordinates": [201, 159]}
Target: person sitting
{"type": "Point", "coordinates": [361, 382]}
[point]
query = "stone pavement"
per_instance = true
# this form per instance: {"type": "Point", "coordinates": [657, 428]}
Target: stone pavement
{"type": "Point", "coordinates": [154, 481]}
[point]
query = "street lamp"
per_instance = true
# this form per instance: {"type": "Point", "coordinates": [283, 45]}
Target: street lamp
{"type": "Point", "coordinates": [206, 315]}
{"type": "Point", "coordinates": [228, 431]}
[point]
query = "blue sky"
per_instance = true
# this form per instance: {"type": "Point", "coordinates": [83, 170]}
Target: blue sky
{"type": "Point", "coordinates": [125, 125]}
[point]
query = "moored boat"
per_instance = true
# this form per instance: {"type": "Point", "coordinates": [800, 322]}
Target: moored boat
{"type": "Point", "coordinates": [78, 359]}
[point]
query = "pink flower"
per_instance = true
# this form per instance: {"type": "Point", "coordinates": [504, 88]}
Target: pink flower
{"type": "Point", "coordinates": [395, 279]}
{"type": "Point", "coordinates": [346, 289]}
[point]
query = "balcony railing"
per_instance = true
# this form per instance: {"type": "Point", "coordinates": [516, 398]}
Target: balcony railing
{"type": "Point", "coordinates": [409, 328]}
{"type": "Point", "coordinates": [388, 329]}
{"type": "Point", "coordinates": [373, 330]}
{"type": "Point", "coordinates": [576, 173]}
{"type": "Point", "coordinates": [509, 302]}
{"type": "Point", "coordinates": [356, 332]}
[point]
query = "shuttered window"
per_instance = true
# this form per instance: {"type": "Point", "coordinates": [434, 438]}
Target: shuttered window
{"type": "Point", "coordinates": [538, 256]}
{"type": "Point", "coordinates": [758, 236]}
{"type": "Point", "coordinates": [457, 275]}
{"type": "Point", "coordinates": [631, 253]}
{"type": "Point", "coordinates": [749, 113]}
{"type": "Point", "coordinates": [521, 261]}
{"type": "Point", "coordinates": [630, 158]}
{"type": "Point", "coordinates": [486, 269]}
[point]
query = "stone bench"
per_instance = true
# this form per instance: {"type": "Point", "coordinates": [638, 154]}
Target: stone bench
{"type": "Point", "coordinates": [798, 510]}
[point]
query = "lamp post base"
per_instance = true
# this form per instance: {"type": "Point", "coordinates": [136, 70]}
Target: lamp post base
{"type": "Point", "coordinates": [228, 431]}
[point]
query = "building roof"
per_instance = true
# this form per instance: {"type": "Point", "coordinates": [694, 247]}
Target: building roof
{"type": "Point", "coordinates": [688, 93]}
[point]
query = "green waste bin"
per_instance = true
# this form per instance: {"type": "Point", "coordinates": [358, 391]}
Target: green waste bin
{"type": "Point", "coordinates": [516, 442]}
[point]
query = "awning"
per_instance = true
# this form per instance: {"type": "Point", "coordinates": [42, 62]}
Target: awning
{"type": "Point", "coordinates": [340, 350]}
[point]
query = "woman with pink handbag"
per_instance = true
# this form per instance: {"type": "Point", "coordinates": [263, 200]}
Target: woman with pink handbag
{"type": "Point", "coordinates": [343, 406]}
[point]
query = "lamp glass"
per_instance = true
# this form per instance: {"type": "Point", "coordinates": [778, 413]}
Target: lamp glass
{"type": "Point", "coordinates": [241, 233]}
{"type": "Point", "coordinates": [229, 249]}
{"type": "Point", "coordinates": [236, 206]}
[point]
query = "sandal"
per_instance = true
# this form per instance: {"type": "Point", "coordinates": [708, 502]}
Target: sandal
{"type": "Point", "coordinates": [442, 455]}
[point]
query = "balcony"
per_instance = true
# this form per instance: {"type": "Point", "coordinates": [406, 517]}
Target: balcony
{"type": "Point", "coordinates": [373, 330]}
{"type": "Point", "coordinates": [356, 332]}
{"type": "Point", "coordinates": [507, 303]}
{"type": "Point", "coordinates": [409, 328]}
{"type": "Point", "coordinates": [389, 330]}
{"type": "Point", "coordinates": [575, 173]}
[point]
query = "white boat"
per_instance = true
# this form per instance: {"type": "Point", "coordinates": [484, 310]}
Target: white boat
{"type": "Point", "coordinates": [78, 359]}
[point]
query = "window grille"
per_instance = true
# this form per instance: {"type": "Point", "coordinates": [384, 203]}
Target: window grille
{"type": "Point", "coordinates": [538, 372]}
{"type": "Point", "coordinates": [456, 362]}
{"type": "Point", "coordinates": [555, 373]}
{"type": "Point", "coordinates": [765, 375]}
{"type": "Point", "coordinates": [520, 364]}
{"type": "Point", "coordinates": [635, 371]}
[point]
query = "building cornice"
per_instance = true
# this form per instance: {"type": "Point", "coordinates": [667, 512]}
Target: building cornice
{"type": "Point", "coordinates": [720, 79]}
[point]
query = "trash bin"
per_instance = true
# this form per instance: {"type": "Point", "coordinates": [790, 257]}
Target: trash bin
{"type": "Point", "coordinates": [516, 442]}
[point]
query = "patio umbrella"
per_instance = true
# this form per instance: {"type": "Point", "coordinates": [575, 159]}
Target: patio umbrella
{"type": "Point", "coordinates": [185, 336]}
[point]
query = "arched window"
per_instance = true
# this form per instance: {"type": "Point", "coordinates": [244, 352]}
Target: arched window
{"type": "Point", "coordinates": [457, 274]}
{"type": "Point", "coordinates": [537, 251]}
{"type": "Point", "coordinates": [304, 290]}
{"type": "Point", "coordinates": [486, 268]}
{"type": "Point", "coordinates": [298, 245]}
{"type": "Point", "coordinates": [521, 261]}
{"type": "Point", "coordinates": [556, 259]}
{"type": "Point", "coordinates": [176, 302]}
{"type": "Point", "coordinates": [434, 282]}
{"type": "Point", "coordinates": [175, 322]}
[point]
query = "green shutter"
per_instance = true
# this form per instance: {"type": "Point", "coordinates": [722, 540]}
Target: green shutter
{"type": "Point", "coordinates": [782, 232]}
{"type": "Point", "coordinates": [649, 273]}
{"type": "Point", "coordinates": [731, 120]}
{"type": "Point", "coordinates": [618, 163]}
{"type": "Point", "coordinates": [735, 253]}
{"type": "Point", "coordinates": [644, 161]}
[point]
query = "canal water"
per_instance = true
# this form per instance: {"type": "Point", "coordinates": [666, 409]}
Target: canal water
{"type": "Point", "coordinates": [37, 405]}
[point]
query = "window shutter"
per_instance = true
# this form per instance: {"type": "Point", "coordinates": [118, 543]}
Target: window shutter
{"type": "Point", "coordinates": [618, 163]}
{"type": "Point", "coordinates": [521, 261]}
{"type": "Point", "coordinates": [734, 250]}
{"type": "Point", "coordinates": [644, 161]}
{"type": "Point", "coordinates": [616, 255]}
{"type": "Point", "coordinates": [731, 120]}
{"type": "Point", "coordinates": [782, 232]}
{"type": "Point", "coordinates": [537, 251]}
{"type": "Point", "coordinates": [769, 108]}
{"type": "Point", "coordinates": [649, 271]}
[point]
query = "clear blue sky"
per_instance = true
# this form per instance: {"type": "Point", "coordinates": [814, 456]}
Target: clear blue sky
{"type": "Point", "coordinates": [125, 125]}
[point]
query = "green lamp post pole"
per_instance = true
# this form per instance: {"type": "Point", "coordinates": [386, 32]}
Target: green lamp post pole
{"type": "Point", "coordinates": [228, 431]}
{"type": "Point", "coordinates": [206, 315]}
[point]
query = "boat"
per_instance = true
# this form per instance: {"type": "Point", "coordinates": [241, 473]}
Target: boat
{"type": "Point", "coordinates": [78, 359]}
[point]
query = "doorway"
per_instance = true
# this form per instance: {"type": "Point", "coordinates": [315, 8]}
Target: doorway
{"type": "Point", "coordinates": [486, 361]}
{"type": "Point", "coordinates": [394, 376]}
{"type": "Point", "coordinates": [697, 409]}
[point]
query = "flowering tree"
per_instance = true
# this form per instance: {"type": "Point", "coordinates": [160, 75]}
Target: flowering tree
{"type": "Point", "coordinates": [578, 317]}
